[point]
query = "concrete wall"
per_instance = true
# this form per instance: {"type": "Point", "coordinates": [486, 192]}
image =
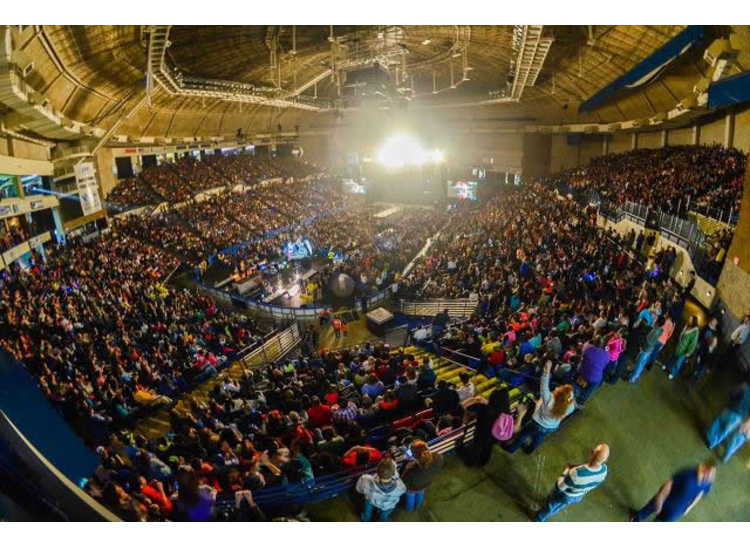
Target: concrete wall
{"type": "Point", "coordinates": [536, 155]}
{"type": "Point", "coordinates": [591, 146]}
{"type": "Point", "coordinates": [649, 140]}
{"type": "Point", "coordinates": [712, 133]}
{"type": "Point", "coordinates": [619, 142]}
{"type": "Point", "coordinates": [14, 147]}
{"type": "Point", "coordinates": [315, 148]}
{"type": "Point", "coordinates": [562, 156]}
{"type": "Point", "coordinates": [680, 137]}
{"type": "Point", "coordinates": [105, 164]}
{"type": "Point", "coordinates": [742, 130]}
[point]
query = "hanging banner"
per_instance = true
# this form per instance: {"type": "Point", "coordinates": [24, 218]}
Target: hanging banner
{"type": "Point", "coordinates": [88, 188]}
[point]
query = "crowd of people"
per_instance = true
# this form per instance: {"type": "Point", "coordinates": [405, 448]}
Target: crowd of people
{"type": "Point", "coordinates": [15, 234]}
{"type": "Point", "coordinates": [563, 308]}
{"type": "Point", "coordinates": [179, 180]}
{"type": "Point", "coordinates": [671, 179]}
{"type": "Point", "coordinates": [106, 337]}
{"type": "Point", "coordinates": [279, 425]}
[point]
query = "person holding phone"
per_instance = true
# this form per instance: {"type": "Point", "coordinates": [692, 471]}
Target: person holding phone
{"type": "Point", "coordinates": [419, 472]}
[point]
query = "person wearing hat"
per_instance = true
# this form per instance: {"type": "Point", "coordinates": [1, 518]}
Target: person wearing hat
{"type": "Point", "coordinates": [382, 490]}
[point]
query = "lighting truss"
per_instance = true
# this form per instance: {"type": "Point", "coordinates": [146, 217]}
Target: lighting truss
{"type": "Point", "coordinates": [175, 83]}
{"type": "Point", "coordinates": [531, 50]}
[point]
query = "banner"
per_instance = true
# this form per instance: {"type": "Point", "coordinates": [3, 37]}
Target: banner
{"type": "Point", "coordinates": [88, 188]}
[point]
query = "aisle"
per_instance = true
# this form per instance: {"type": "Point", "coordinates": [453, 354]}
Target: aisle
{"type": "Point", "coordinates": [653, 428]}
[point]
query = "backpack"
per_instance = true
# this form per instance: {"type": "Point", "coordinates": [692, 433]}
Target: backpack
{"type": "Point", "coordinates": [502, 428]}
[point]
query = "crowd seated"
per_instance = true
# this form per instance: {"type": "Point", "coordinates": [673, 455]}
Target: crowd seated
{"type": "Point", "coordinates": [563, 307]}
{"type": "Point", "coordinates": [179, 180]}
{"type": "Point", "coordinates": [669, 178]}
{"type": "Point", "coordinates": [105, 336]}
{"type": "Point", "coordinates": [15, 235]}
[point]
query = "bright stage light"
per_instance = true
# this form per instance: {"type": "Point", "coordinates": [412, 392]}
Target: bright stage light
{"type": "Point", "coordinates": [403, 150]}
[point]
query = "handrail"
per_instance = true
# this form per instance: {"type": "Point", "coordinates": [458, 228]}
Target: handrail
{"type": "Point", "coordinates": [332, 485]}
{"type": "Point", "coordinates": [457, 307]}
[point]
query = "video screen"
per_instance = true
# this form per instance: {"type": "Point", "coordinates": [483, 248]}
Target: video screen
{"type": "Point", "coordinates": [298, 249]}
{"type": "Point", "coordinates": [352, 186]}
{"type": "Point", "coordinates": [462, 189]}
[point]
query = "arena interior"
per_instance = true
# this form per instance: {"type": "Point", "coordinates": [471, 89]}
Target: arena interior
{"type": "Point", "coordinates": [366, 273]}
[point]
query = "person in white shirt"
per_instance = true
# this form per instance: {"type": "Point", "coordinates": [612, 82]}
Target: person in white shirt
{"type": "Point", "coordinates": [741, 333]}
{"type": "Point", "coordinates": [466, 388]}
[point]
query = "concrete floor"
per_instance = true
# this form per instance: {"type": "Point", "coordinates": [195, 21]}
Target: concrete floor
{"type": "Point", "coordinates": [653, 428]}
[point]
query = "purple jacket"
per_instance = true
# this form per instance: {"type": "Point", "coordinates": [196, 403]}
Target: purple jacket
{"type": "Point", "coordinates": [593, 363]}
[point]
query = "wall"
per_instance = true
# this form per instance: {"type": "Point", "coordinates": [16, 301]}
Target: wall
{"type": "Point", "coordinates": [591, 146]}
{"type": "Point", "coordinates": [680, 137]}
{"type": "Point", "coordinates": [712, 133]}
{"type": "Point", "coordinates": [21, 157]}
{"type": "Point", "coordinates": [105, 162]}
{"type": "Point", "coordinates": [620, 142]}
{"type": "Point", "coordinates": [562, 156]}
{"type": "Point", "coordinates": [650, 140]}
{"type": "Point", "coordinates": [536, 155]}
{"type": "Point", "coordinates": [315, 148]}
{"type": "Point", "coordinates": [742, 130]}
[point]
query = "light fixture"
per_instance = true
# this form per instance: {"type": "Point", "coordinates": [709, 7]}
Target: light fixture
{"type": "Point", "coordinates": [426, 42]}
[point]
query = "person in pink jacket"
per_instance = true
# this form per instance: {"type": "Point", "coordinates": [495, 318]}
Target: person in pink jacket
{"type": "Point", "coordinates": [615, 346]}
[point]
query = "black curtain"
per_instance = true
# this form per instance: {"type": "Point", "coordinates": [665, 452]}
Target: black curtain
{"type": "Point", "coordinates": [148, 161]}
{"type": "Point", "coordinates": [124, 167]}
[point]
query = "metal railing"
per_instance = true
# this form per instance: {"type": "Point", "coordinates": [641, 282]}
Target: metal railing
{"type": "Point", "coordinates": [274, 348]}
{"type": "Point", "coordinates": [429, 308]}
{"type": "Point", "coordinates": [333, 485]}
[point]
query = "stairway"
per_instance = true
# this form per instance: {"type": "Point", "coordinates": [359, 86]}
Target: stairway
{"type": "Point", "coordinates": [157, 425]}
{"type": "Point", "coordinates": [448, 370]}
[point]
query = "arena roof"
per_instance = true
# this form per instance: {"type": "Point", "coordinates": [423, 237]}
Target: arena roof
{"type": "Point", "coordinates": [305, 76]}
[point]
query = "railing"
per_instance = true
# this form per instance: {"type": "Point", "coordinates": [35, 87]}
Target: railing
{"type": "Point", "coordinates": [275, 348]}
{"type": "Point", "coordinates": [460, 358]}
{"type": "Point", "coordinates": [429, 308]}
{"type": "Point", "coordinates": [682, 232]}
{"type": "Point", "coordinates": [726, 215]}
{"type": "Point", "coordinates": [333, 485]}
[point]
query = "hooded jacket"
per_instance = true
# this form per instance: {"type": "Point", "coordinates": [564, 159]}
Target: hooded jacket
{"type": "Point", "coordinates": [383, 496]}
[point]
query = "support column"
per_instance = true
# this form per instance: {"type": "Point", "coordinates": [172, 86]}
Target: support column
{"type": "Point", "coordinates": [696, 134]}
{"type": "Point", "coordinates": [729, 129]}
{"type": "Point", "coordinates": [605, 144]}
{"type": "Point", "coordinates": [664, 138]}
{"type": "Point", "coordinates": [59, 229]}
{"type": "Point", "coordinates": [633, 141]}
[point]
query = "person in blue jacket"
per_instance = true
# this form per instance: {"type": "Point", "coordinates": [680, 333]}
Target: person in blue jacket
{"type": "Point", "coordinates": [679, 494]}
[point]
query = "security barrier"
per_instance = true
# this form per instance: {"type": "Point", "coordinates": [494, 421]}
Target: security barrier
{"type": "Point", "coordinates": [462, 308]}
{"type": "Point", "coordinates": [333, 485]}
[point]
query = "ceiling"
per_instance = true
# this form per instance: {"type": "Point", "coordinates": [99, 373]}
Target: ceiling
{"type": "Point", "coordinates": [96, 74]}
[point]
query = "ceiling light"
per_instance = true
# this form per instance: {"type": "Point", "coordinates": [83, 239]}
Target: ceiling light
{"type": "Point", "coordinates": [457, 54]}
{"type": "Point", "coordinates": [426, 42]}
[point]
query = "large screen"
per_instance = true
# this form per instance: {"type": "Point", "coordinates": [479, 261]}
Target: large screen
{"type": "Point", "coordinates": [352, 186]}
{"type": "Point", "coordinates": [462, 189]}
